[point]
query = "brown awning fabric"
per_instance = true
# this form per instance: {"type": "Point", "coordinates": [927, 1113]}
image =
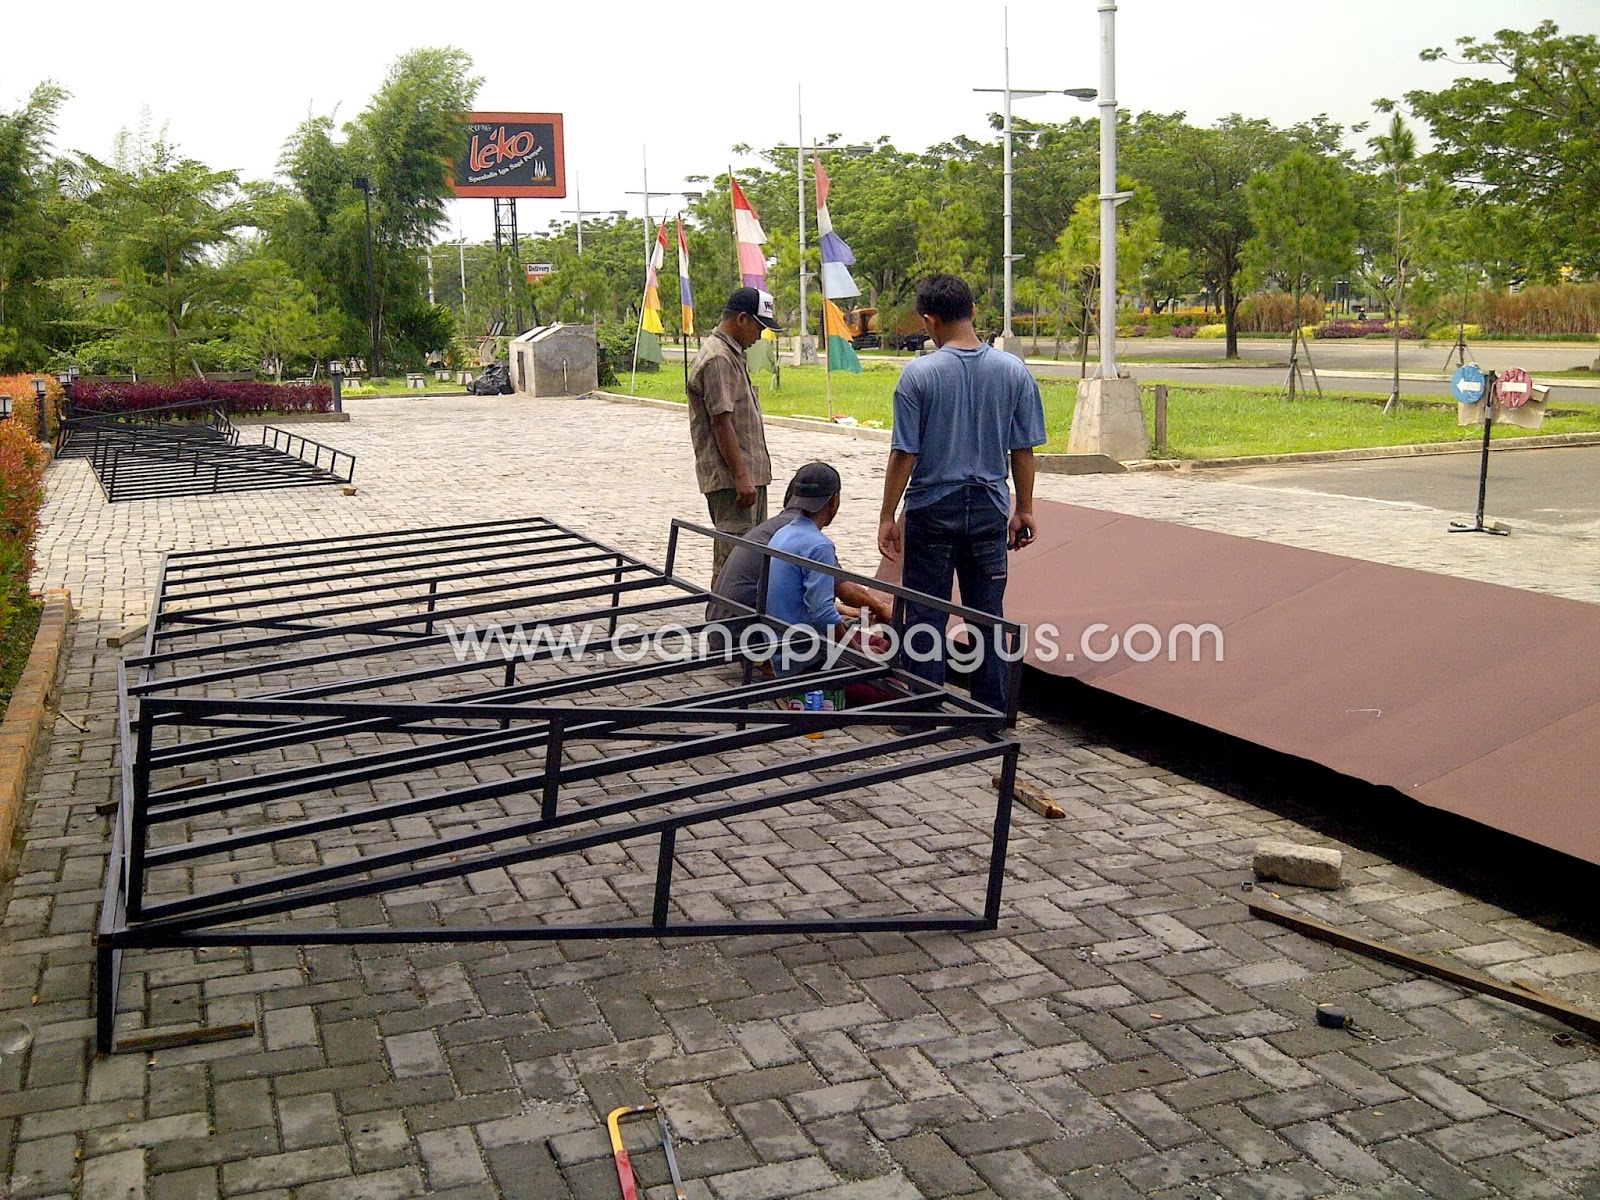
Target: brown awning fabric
{"type": "Point", "coordinates": [1478, 699]}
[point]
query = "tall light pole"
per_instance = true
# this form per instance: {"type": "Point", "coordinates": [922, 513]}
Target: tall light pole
{"type": "Point", "coordinates": [1109, 196]}
{"type": "Point", "coordinates": [580, 213]}
{"type": "Point", "coordinates": [1108, 418]}
{"type": "Point", "coordinates": [649, 234]}
{"type": "Point", "coordinates": [1008, 93]}
{"type": "Point", "coordinates": [364, 185]}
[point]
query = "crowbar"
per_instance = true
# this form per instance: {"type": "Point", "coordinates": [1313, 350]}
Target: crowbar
{"type": "Point", "coordinates": [630, 1186]}
{"type": "Point", "coordinates": [625, 1177]}
{"type": "Point", "coordinates": [672, 1159]}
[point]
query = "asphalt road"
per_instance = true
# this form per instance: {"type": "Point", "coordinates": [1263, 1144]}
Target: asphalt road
{"type": "Point", "coordinates": [1558, 489]}
{"type": "Point", "coordinates": [1359, 367]}
{"type": "Point", "coordinates": [1363, 355]}
{"type": "Point", "coordinates": [1371, 362]}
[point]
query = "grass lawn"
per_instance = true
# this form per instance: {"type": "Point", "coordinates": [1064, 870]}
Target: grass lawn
{"type": "Point", "coordinates": [16, 641]}
{"type": "Point", "coordinates": [397, 387]}
{"type": "Point", "coordinates": [1202, 422]}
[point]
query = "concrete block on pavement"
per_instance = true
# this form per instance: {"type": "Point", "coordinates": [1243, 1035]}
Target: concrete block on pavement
{"type": "Point", "coordinates": [1302, 866]}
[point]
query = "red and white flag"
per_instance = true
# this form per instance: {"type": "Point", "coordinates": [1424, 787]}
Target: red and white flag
{"type": "Point", "coordinates": [747, 233]}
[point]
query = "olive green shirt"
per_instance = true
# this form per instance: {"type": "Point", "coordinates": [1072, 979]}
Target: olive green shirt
{"type": "Point", "coordinates": [719, 382]}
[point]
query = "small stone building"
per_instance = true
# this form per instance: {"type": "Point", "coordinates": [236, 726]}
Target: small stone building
{"type": "Point", "coordinates": [555, 360]}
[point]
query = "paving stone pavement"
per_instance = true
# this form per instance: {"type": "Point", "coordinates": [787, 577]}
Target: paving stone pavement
{"type": "Point", "coordinates": [1128, 1031]}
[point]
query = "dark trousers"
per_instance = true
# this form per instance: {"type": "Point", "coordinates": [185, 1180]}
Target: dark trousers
{"type": "Point", "coordinates": [962, 536]}
{"type": "Point", "coordinates": [728, 517]}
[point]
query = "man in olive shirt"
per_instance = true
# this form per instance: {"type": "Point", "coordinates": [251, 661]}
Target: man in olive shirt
{"type": "Point", "coordinates": [731, 462]}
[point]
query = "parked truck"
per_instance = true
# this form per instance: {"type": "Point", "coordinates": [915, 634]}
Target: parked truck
{"type": "Point", "coordinates": [908, 333]}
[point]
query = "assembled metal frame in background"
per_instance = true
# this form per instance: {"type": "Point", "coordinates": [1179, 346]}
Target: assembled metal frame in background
{"type": "Point", "coordinates": [315, 689]}
{"type": "Point", "coordinates": [146, 454]}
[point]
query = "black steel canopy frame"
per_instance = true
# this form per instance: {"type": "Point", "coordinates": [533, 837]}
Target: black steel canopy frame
{"type": "Point", "coordinates": [146, 455]}
{"type": "Point", "coordinates": [332, 672]}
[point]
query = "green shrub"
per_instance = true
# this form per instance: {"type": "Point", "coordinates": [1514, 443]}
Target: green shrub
{"type": "Point", "coordinates": [1211, 332]}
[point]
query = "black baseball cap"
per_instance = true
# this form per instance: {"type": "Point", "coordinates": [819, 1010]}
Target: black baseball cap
{"type": "Point", "coordinates": [755, 302]}
{"type": "Point", "coordinates": [812, 487]}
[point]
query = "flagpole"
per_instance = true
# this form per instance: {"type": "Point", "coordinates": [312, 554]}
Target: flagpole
{"type": "Point", "coordinates": [683, 331]}
{"type": "Point", "coordinates": [733, 213]}
{"type": "Point", "coordinates": [644, 159]}
{"type": "Point", "coordinates": [800, 184]}
{"type": "Point", "coordinates": [822, 285]}
{"type": "Point", "coordinates": [633, 384]}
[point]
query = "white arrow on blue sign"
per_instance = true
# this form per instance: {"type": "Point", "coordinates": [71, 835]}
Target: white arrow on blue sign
{"type": "Point", "coordinates": [1467, 384]}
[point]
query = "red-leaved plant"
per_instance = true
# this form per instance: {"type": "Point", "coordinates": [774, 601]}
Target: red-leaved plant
{"type": "Point", "coordinates": [22, 463]}
{"type": "Point", "coordinates": [233, 397]}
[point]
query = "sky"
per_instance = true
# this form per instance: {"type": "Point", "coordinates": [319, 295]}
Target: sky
{"type": "Point", "coordinates": [678, 85]}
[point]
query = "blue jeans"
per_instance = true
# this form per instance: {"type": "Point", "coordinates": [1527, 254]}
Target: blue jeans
{"type": "Point", "coordinates": [962, 536]}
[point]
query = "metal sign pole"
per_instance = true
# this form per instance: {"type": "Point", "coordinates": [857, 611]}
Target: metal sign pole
{"type": "Point", "coordinates": [1491, 381]}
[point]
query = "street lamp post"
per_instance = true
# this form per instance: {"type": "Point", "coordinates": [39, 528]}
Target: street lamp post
{"type": "Point", "coordinates": [649, 235]}
{"type": "Point", "coordinates": [1009, 93]}
{"type": "Point", "coordinates": [67, 378]}
{"type": "Point", "coordinates": [336, 374]}
{"type": "Point", "coordinates": [364, 185]}
{"type": "Point", "coordinates": [1109, 196]}
{"type": "Point", "coordinates": [1108, 418]}
{"type": "Point", "coordinates": [581, 212]}
{"type": "Point", "coordinates": [39, 388]}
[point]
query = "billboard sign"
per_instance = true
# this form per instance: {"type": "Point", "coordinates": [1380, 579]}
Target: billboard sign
{"type": "Point", "coordinates": [510, 155]}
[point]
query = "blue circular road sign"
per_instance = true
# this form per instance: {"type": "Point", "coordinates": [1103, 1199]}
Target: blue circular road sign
{"type": "Point", "coordinates": [1467, 384]}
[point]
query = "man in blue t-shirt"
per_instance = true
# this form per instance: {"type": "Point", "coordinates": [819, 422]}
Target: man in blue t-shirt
{"type": "Point", "coordinates": [798, 595]}
{"type": "Point", "coordinates": [965, 417]}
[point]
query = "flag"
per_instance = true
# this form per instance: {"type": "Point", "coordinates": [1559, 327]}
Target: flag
{"type": "Point", "coordinates": [652, 282]}
{"type": "Point", "coordinates": [685, 296]}
{"type": "Point", "coordinates": [836, 256]}
{"type": "Point", "coordinates": [650, 330]}
{"type": "Point", "coordinates": [841, 354]}
{"type": "Point", "coordinates": [747, 233]}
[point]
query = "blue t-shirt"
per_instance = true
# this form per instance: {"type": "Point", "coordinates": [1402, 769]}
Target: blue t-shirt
{"type": "Point", "coordinates": [962, 412]}
{"type": "Point", "coordinates": [795, 594]}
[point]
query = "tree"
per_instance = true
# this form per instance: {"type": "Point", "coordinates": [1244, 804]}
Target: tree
{"type": "Point", "coordinates": [1528, 139]}
{"type": "Point", "coordinates": [33, 245]}
{"type": "Point", "coordinates": [1305, 227]}
{"type": "Point", "coordinates": [1199, 178]}
{"type": "Point", "coordinates": [279, 321]}
{"type": "Point", "coordinates": [160, 222]}
{"type": "Point", "coordinates": [1397, 150]}
{"type": "Point", "coordinates": [1074, 264]}
{"type": "Point", "coordinates": [402, 142]}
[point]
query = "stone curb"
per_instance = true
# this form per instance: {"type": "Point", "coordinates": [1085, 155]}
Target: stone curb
{"type": "Point", "coordinates": [1075, 464]}
{"type": "Point", "coordinates": [1078, 464]}
{"type": "Point", "coordinates": [299, 418]}
{"type": "Point", "coordinates": [852, 431]}
{"type": "Point", "coordinates": [1357, 454]}
{"type": "Point", "coordinates": [27, 717]}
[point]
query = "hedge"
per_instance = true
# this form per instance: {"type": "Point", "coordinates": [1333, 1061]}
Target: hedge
{"type": "Point", "coordinates": [233, 397]}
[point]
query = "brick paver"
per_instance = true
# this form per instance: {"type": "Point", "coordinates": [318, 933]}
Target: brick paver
{"type": "Point", "coordinates": [1128, 1031]}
